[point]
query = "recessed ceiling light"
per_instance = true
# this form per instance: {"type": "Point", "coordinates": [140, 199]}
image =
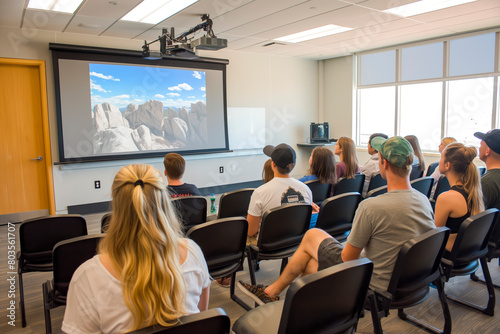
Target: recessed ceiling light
{"type": "Point", "coordinates": [424, 6]}
{"type": "Point", "coordinates": [64, 6]}
{"type": "Point", "coordinates": [306, 35]}
{"type": "Point", "coordinates": [155, 11]}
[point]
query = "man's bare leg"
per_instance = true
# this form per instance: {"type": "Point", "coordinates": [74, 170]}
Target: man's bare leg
{"type": "Point", "coordinates": [303, 262]}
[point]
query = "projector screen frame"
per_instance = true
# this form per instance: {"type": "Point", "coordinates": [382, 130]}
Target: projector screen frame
{"type": "Point", "coordinates": [130, 57]}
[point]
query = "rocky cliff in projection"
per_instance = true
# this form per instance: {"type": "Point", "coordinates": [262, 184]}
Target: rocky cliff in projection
{"type": "Point", "coordinates": [148, 127]}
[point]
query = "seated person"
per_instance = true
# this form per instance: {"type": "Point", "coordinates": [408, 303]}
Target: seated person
{"type": "Point", "coordinates": [419, 158]}
{"type": "Point", "coordinates": [381, 226]}
{"type": "Point", "coordinates": [371, 166]}
{"type": "Point", "coordinates": [348, 165]}
{"type": "Point", "coordinates": [321, 166]}
{"type": "Point", "coordinates": [437, 174]}
{"type": "Point", "coordinates": [489, 153]}
{"type": "Point", "coordinates": [174, 170]}
{"type": "Point", "coordinates": [143, 254]}
{"type": "Point", "coordinates": [465, 197]}
{"type": "Point", "coordinates": [267, 171]}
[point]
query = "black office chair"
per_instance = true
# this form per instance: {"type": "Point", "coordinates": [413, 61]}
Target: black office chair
{"type": "Point", "coordinates": [376, 181]}
{"type": "Point", "coordinates": [320, 191]}
{"type": "Point", "coordinates": [281, 231]}
{"type": "Point", "coordinates": [471, 245]}
{"type": "Point", "coordinates": [68, 255]}
{"type": "Point", "coordinates": [345, 185]}
{"type": "Point", "coordinates": [337, 213]}
{"type": "Point", "coordinates": [235, 203]}
{"type": "Point", "coordinates": [329, 301]}
{"type": "Point", "coordinates": [482, 170]}
{"type": "Point", "coordinates": [105, 219]}
{"type": "Point", "coordinates": [417, 265]}
{"type": "Point", "coordinates": [376, 192]}
{"type": "Point", "coordinates": [431, 168]}
{"type": "Point", "coordinates": [493, 250]}
{"type": "Point", "coordinates": [192, 210]}
{"type": "Point", "coordinates": [225, 256]}
{"type": "Point", "coordinates": [213, 321]}
{"type": "Point", "coordinates": [423, 184]}
{"type": "Point", "coordinates": [442, 185]}
{"type": "Point", "coordinates": [37, 238]}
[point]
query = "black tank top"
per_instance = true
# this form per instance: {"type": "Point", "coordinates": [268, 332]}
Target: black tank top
{"type": "Point", "coordinates": [454, 223]}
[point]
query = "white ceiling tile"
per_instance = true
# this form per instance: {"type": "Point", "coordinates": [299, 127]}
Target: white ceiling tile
{"type": "Point", "coordinates": [88, 25]}
{"type": "Point", "coordinates": [112, 10]}
{"type": "Point", "coordinates": [45, 20]}
{"type": "Point", "coordinates": [11, 12]}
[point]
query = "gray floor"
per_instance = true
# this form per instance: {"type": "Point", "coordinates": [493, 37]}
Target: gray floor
{"type": "Point", "coordinates": [464, 320]}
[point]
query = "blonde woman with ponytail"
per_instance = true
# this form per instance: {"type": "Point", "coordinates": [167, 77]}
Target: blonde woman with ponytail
{"type": "Point", "coordinates": [465, 198]}
{"type": "Point", "coordinates": [145, 273]}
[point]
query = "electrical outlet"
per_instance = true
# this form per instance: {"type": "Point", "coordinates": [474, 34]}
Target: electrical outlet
{"type": "Point", "coordinates": [221, 169]}
{"type": "Point", "coordinates": [97, 184]}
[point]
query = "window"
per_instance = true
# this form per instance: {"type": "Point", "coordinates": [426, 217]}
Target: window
{"type": "Point", "coordinates": [433, 90]}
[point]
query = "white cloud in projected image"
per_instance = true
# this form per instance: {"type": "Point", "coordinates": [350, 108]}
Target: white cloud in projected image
{"type": "Point", "coordinates": [120, 85]}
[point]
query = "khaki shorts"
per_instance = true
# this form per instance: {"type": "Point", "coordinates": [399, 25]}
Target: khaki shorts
{"type": "Point", "coordinates": [329, 253]}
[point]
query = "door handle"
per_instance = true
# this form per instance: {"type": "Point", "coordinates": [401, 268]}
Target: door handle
{"type": "Point", "coordinates": [39, 158]}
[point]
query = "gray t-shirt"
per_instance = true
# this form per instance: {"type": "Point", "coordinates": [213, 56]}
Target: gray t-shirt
{"type": "Point", "coordinates": [384, 223]}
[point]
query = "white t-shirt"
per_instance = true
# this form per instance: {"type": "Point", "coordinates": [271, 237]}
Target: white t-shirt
{"type": "Point", "coordinates": [275, 193]}
{"type": "Point", "coordinates": [370, 169]}
{"type": "Point", "coordinates": [95, 301]}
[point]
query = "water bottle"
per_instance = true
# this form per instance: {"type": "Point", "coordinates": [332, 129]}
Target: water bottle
{"type": "Point", "coordinates": [212, 204]}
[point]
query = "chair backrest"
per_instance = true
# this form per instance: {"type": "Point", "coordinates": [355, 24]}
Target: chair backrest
{"type": "Point", "coordinates": [68, 255]}
{"type": "Point", "coordinates": [308, 309]}
{"type": "Point", "coordinates": [423, 184]}
{"type": "Point", "coordinates": [472, 238]}
{"type": "Point", "coordinates": [283, 227]}
{"type": "Point", "coordinates": [192, 210]}
{"type": "Point", "coordinates": [415, 172]}
{"type": "Point", "coordinates": [376, 181]}
{"type": "Point", "coordinates": [482, 170]}
{"type": "Point", "coordinates": [345, 185]}
{"type": "Point", "coordinates": [441, 186]}
{"type": "Point", "coordinates": [219, 255]}
{"type": "Point", "coordinates": [38, 236]}
{"type": "Point", "coordinates": [105, 219]}
{"type": "Point", "coordinates": [417, 264]}
{"type": "Point", "coordinates": [337, 213]}
{"type": "Point", "coordinates": [235, 203]}
{"type": "Point", "coordinates": [431, 168]}
{"type": "Point", "coordinates": [377, 191]}
{"type": "Point", "coordinates": [494, 244]}
{"type": "Point", "coordinates": [320, 191]}
{"type": "Point", "coordinates": [213, 321]}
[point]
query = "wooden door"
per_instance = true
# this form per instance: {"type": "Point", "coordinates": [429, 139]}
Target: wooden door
{"type": "Point", "coordinates": [25, 166]}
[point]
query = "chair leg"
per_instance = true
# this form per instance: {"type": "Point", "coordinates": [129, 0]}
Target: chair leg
{"type": "Point", "coordinates": [21, 297]}
{"type": "Point", "coordinates": [233, 296]}
{"type": "Point", "coordinates": [490, 308]}
{"type": "Point", "coordinates": [476, 278]}
{"type": "Point", "coordinates": [377, 325]}
{"type": "Point", "coordinates": [47, 306]}
{"type": "Point", "coordinates": [284, 262]}
{"type": "Point", "coordinates": [251, 268]}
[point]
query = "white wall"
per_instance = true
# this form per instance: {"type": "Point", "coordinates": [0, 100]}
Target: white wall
{"type": "Point", "coordinates": [286, 87]}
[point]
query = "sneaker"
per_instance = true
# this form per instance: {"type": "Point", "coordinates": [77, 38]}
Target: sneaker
{"type": "Point", "coordinates": [256, 292]}
{"type": "Point", "coordinates": [224, 282]}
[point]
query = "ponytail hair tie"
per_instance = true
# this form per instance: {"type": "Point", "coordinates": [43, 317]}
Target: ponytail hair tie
{"type": "Point", "coordinates": [139, 182]}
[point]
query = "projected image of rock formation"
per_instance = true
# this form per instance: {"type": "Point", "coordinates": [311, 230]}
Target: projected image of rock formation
{"type": "Point", "coordinates": [148, 126]}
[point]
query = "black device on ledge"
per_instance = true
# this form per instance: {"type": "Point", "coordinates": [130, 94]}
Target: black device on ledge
{"type": "Point", "coordinates": [320, 133]}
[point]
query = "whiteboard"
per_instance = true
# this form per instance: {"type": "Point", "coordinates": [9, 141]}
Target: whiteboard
{"type": "Point", "coordinates": [246, 128]}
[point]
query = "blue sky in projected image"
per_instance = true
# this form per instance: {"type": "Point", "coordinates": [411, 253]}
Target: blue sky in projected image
{"type": "Point", "coordinates": [121, 85]}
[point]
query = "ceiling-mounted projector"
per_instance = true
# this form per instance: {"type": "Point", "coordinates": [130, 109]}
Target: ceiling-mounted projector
{"type": "Point", "coordinates": [172, 46]}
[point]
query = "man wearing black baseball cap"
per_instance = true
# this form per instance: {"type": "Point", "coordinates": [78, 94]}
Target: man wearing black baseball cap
{"type": "Point", "coordinates": [489, 152]}
{"type": "Point", "coordinates": [282, 189]}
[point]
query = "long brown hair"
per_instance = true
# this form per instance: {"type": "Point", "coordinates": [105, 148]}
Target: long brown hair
{"type": "Point", "coordinates": [461, 159]}
{"type": "Point", "coordinates": [348, 148]}
{"type": "Point", "coordinates": [413, 140]}
{"type": "Point", "coordinates": [267, 171]}
{"type": "Point", "coordinates": [323, 165]}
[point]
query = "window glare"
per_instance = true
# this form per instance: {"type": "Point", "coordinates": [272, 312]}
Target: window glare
{"type": "Point", "coordinates": [470, 104]}
{"type": "Point", "coordinates": [421, 113]}
{"type": "Point", "coordinates": [378, 112]}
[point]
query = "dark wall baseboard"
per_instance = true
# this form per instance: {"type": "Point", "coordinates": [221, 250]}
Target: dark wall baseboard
{"type": "Point", "coordinates": [85, 209]}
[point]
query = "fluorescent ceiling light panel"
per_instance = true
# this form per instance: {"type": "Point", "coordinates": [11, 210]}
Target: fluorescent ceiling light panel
{"type": "Point", "coordinates": [64, 6]}
{"type": "Point", "coordinates": [424, 6]}
{"type": "Point", "coordinates": [323, 31]}
{"type": "Point", "coordinates": [155, 11]}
